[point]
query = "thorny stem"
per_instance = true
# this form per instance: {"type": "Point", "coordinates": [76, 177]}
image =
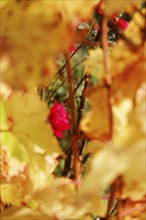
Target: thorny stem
{"type": "Point", "coordinates": [73, 117]}
{"type": "Point", "coordinates": [105, 49]}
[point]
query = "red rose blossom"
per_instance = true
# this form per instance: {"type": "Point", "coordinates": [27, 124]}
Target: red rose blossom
{"type": "Point", "coordinates": [122, 23]}
{"type": "Point", "coordinates": [59, 119]}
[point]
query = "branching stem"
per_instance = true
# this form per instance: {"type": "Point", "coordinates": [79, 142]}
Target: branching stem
{"type": "Point", "coordinates": [87, 36]}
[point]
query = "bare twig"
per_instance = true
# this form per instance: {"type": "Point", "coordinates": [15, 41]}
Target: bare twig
{"type": "Point", "coordinates": [87, 36]}
{"type": "Point", "coordinates": [73, 117]}
{"type": "Point", "coordinates": [111, 200]}
{"type": "Point", "coordinates": [82, 102]}
{"type": "Point", "coordinates": [76, 88]}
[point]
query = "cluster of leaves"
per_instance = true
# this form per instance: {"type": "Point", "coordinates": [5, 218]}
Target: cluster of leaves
{"type": "Point", "coordinates": [84, 59]}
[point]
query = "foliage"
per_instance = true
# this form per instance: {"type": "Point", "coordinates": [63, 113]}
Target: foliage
{"type": "Point", "coordinates": [72, 110]}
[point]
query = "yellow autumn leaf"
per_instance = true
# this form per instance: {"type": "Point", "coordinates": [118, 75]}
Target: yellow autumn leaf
{"type": "Point", "coordinates": [33, 34]}
{"type": "Point", "coordinates": [113, 6]}
{"type": "Point", "coordinates": [4, 165]}
{"type": "Point", "coordinates": [120, 60]}
{"type": "Point", "coordinates": [134, 175]}
{"type": "Point", "coordinates": [63, 202]}
{"type": "Point", "coordinates": [105, 167]}
{"type": "Point", "coordinates": [27, 118]}
{"type": "Point", "coordinates": [136, 28]}
{"type": "Point", "coordinates": [94, 63]}
{"type": "Point", "coordinates": [129, 123]}
{"type": "Point", "coordinates": [110, 163]}
{"type": "Point", "coordinates": [128, 82]}
{"type": "Point", "coordinates": [10, 194]}
{"type": "Point", "coordinates": [98, 122]}
{"type": "Point", "coordinates": [94, 146]}
{"type": "Point", "coordinates": [23, 213]}
{"type": "Point", "coordinates": [130, 137]}
{"type": "Point", "coordinates": [123, 156]}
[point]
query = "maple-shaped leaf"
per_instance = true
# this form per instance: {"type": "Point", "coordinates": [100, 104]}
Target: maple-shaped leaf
{"type": "Point", "coordinates": [98, 122]}
{"type": "Point", "coordinates": [27, 118]}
